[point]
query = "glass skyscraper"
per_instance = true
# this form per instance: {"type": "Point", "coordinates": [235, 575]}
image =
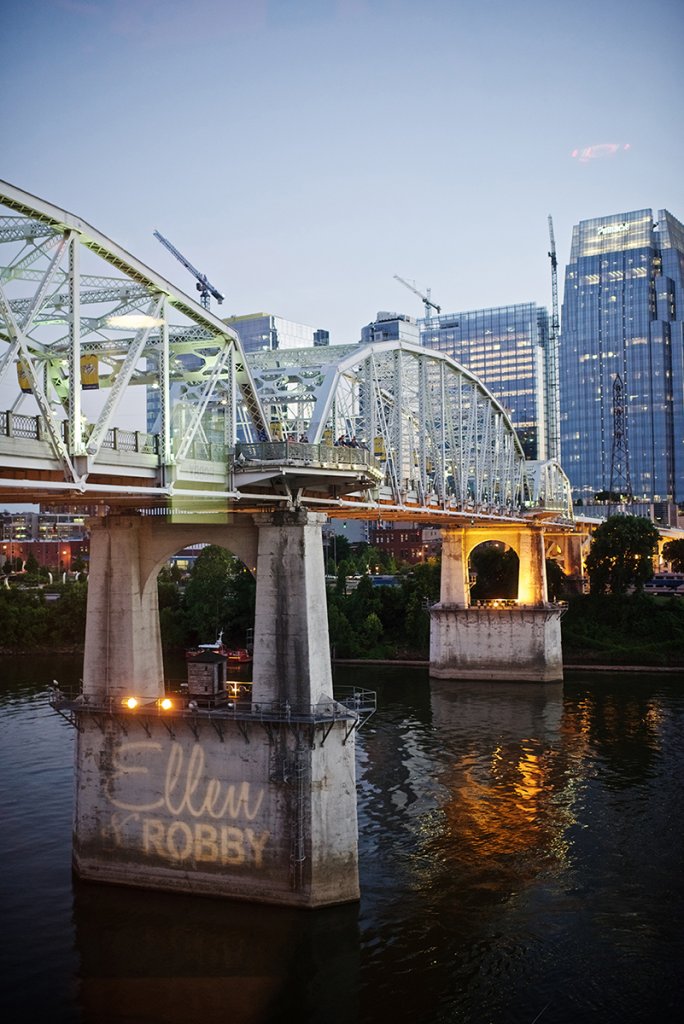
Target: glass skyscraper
{"type": "Point", "coordinates": [257, 331]}
{"type": "Point", "coordinates": [621, 358]}
{"type": "Point", "coordinates": [506, 347]}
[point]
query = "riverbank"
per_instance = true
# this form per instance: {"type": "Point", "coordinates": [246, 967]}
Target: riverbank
{"type": "Point", "coordinates": [399, 662]}
{"type": "Point", "coordinates": [416, 663]}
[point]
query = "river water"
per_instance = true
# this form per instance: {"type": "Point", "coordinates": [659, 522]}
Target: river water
{"type": "Point", "coordinates": [521, 860]}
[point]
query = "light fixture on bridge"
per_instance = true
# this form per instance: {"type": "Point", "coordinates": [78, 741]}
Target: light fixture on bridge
{"type": "Point", "coordinates": [136, 321]}
{"type": "Point", "coordinates": [130, 702]}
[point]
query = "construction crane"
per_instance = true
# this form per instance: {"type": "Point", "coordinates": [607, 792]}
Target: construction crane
{"type": "Point", "coordinates": [553, 411]}
{"type": "Point", "coordinates": [427, 301]}
{"type": "Point", "coordinates": [203, 286]}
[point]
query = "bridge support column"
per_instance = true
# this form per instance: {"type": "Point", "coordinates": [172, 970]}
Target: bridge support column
{"type": "Point", "coordinates": [254, 801]}
{"type": "Point", "coordinates": [291, 646]}
{"type": "Point", "coordinates": [499, 641]}
{"type": "Point", "coordinates": [454, 578]}
{"type": "Point", "coordinates": [571, 547]}
{"type": "Point", "coordinates": [123, 653]}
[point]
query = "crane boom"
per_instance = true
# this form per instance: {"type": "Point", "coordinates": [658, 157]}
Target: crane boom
{"type": "Point", "coordinates": [204, 287]}
{"type": "Point", "coordinates": [427, 301]}
{"type": "Point", "coordinates": [553, 394]}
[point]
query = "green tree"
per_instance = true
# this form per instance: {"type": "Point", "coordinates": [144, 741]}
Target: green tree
{"type": "Point", "coordinates": [32, 565]}
{"type": "Point", "coordinates": [417, 623]}
{"type": "Point", "coordinates": [555, 580]}
{"type": "Point", "coordinates": [342, 573]}
{"type": "Point", "coordinates": [343, 638]}
{"type": "Point", "coordinates": [673, 552]}
{"type": "Point", "coordinates": [496, 571]}
{"type": "Point", "coordinates": [241, 600]}
{"type": "Point", "coordinates": [67, 616]}
{"type": "Point", "coordinates": [206, 595]}
{"type": "Point", "coordinates": [372, 630]}
{"type": "Point", "coordinates": [220, 596]}
{"type": "Point", "coordinates": [362, 602]}
{"type": "Point", "coordinates": [621, 554]}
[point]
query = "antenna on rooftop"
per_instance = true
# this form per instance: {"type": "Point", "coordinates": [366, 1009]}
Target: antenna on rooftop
{"type": "Point", "coordinates": [620, 479]}
{"type": "Point", "coordinates": [553, 391]}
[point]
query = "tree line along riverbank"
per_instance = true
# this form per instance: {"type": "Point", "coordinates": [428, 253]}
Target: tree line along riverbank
{"type": "Point", "coordinates": [389, 623]}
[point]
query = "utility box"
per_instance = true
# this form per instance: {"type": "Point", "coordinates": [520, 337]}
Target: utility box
{"type": "Point", "coordinates": [207, 674]}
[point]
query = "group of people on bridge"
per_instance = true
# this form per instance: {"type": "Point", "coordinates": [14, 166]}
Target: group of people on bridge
{"type": "Point", "coordinates": [345, 441]}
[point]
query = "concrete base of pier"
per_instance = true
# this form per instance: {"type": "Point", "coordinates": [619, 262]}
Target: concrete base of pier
{"type": "Point", "coordinates": [248, 809]}
{"type": "Point", "coordinates": [511, 644]}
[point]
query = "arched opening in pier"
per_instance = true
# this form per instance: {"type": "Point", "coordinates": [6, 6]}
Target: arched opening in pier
{"type": "Point", "coordinates": [493, 568]}
{"type": "Point", "coordinates": [199, 580]}
{"type": "Point", "coordinates": [206, 592]}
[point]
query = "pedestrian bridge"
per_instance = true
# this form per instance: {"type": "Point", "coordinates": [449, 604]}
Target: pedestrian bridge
{"type": "Point", "coordinates": [95, 347]}
{"type": "Point", "coordinates": [118, 391]}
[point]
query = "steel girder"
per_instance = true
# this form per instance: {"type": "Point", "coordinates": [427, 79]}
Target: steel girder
{"type": "Point", "coordinates": [79, 313]}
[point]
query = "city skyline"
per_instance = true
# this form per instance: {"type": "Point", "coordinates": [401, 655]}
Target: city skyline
{"type": "Point", "coordinates": [302, 154]}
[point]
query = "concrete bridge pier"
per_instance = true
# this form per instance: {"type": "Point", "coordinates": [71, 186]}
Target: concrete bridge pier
{"type": "Point", "coordinates": [291, 646]}
{"type": "Point", "coordinates": [123, 653]}
{"type": "Point", "coordinates": [253, 799]}
{"type": "Point", "coordinates": [507, 641]}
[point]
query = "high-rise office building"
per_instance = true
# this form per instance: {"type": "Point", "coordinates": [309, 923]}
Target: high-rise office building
{"type": "Point", "coordinates": [506, 347]}
{"type": "Point", "coordinates": [621, 358]}
{"type": "Point", "coordinates": [391, 327]}
{"type": "Point", "coordinates": [259, 331]}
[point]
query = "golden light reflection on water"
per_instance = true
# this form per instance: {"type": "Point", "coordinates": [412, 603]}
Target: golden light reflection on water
{"type": "Point", "coordinates": [509, 805]}
{"type": "Point", "coordinates": [508, 809]}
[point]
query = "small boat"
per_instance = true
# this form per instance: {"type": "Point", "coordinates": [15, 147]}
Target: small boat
{"type": "Point", "coordinates": [239, 654]}
{"type": "Point", "coordinates": [235, 654]}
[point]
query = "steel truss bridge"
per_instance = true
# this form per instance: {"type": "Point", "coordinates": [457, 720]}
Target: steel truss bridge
{"type": "Point", "coordinates": [90, 337]}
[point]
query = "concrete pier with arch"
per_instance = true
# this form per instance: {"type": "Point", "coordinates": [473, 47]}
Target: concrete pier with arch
{"type": "Point", "coordinates": [518, 640]}
{"type": "Point", "coordinates": [255, 803]}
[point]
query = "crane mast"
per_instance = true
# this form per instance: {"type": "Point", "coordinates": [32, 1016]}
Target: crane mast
{"type": "Point", "coordinates": [427, 301]}
{"type": "Point", "coordinates": [553, 392]}
{"type": "Point", "coordinates": [204, 287]}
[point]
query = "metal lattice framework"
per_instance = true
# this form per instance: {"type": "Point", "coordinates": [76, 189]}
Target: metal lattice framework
{"type": "Point", "coordinates": [83, 325]}
{"type": "Point", "coordinates": [82, 322]}
{"type": "Point", "coordinates": [441, 438]}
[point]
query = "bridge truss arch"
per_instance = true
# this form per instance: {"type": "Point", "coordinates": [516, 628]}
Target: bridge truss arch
{"type": "Point", "coordinates": [82, 322]}
{"type": "Point", "coordinates": [441, 439]}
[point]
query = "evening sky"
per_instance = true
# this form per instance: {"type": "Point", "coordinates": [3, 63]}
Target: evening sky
{"type": "Point", "coordinates": [303, 152]}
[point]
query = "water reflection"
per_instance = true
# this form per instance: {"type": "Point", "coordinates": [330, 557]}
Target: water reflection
{"type": "Point", "coordinates": [159, 957]}
{"type": "Point", "coordinates": [520, 847]}
{"type": "Point", "coordinates": [506, 807]}
{"type": "Point", "coordinates": [621, 730]}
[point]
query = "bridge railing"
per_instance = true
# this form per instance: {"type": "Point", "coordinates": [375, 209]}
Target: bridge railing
{"type": "Point", "coordinates": [32, 428]}
{"type": "Point", "coordinates": [131, 441]}
{"type": "Point", "coordinates": [304, 454]}
{"type": "Point", "coordinates": [349, 704]}
{"type": "Point", "coordinates": [14, 424]}
{"type": "Point", "coordinates": [206, 451]}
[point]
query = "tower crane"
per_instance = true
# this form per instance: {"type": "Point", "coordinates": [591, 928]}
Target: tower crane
{"type": "Point", "coordinates": [427, 301]}
{"type": "Point", "coordinates": [553, 411]}
{"type": "Point", "coordinates": [203, 286]}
